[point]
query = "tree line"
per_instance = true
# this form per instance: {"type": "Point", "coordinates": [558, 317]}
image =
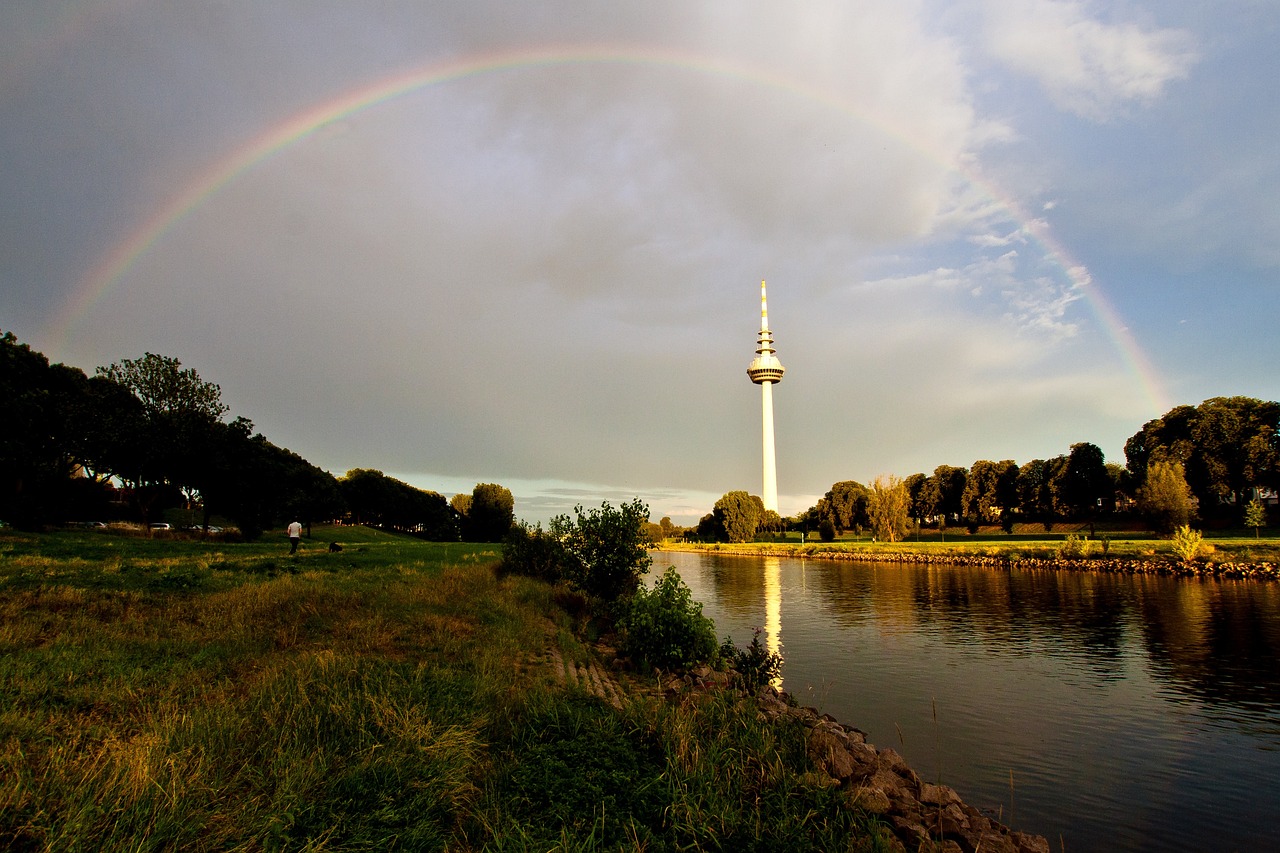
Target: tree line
{"type": "Point", "coordinates": [145, 435]}
{"type": "Point", "coordinates": [1214, 463]}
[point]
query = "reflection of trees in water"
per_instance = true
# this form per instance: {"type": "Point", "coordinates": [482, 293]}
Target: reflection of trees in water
{"type": "Point", "coordinates": [1216, 640]}
{"type": "Point", "coordinates": [1076, 614]}
{"type": "Point", "coordinates": [739, 583]}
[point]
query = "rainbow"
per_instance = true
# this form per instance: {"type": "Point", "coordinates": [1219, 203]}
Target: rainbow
{"type": "Point", "coordinates": [112, 267]}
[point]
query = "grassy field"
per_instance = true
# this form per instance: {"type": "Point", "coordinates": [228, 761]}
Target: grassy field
{"type": "Point", "coordinates": [175, 694]}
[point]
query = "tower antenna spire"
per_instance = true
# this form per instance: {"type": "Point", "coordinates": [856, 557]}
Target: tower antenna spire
{"type": "Point", "coordinates": [766, 371]}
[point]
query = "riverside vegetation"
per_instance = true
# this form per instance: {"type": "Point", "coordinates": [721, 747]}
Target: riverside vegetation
{"type": "Point", "coordinates": [1186, 552]}
{"type": "Point", "coordinates": [197, 695]}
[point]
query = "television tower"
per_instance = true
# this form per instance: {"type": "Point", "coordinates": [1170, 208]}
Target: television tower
{"type": "Point", "coordinates": [765, 370]}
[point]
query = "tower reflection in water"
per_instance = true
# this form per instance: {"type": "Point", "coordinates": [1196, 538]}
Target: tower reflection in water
{"type": "Point", "coordinates": [773, 610]}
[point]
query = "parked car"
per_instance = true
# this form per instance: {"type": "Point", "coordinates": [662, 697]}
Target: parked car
{"type": "Point", "coordinates": [160, 525]}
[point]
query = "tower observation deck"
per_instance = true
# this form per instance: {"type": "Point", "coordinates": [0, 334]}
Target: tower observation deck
{"type": "Point", "coordinates": [766, 371]}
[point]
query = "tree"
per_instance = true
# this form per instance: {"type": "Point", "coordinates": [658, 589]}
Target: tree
{"type": "Point", "coordinates": [948, 485]}
{"type": "Point", "coordinates": [1007, 493]}
{"type": "Point", "coordinates": [1255, 516]}
{"type": "Point", "coordinates": [980, 500]}
{"type": "Point", "coordinates": [737, 515]}
{"type": "Point", "coordinates": [1033, 489]}
{"type": "Point", "coordinates": [34, 464]}
{"type": "Point", "coordinates": [770, 522]}
{"type": "Point", "coordinates": [381, 501]}
{"type": "Point", "coordinates": [179, 413]}
{"type": "Point", "coordinates": [1082, 486]}
{"type": "Point", "coordinates": [1228, 446]}
{"type": "Point", "coordinates": [1165, 498]}
{"type": "Point", "coordinates": [915, 484]}
{"type": "Point", "coordinates": [846, 505]}
{"type": "Point", "coordinates": [492, 513]}
{"type": "Point", "coordinates": [165, 388]}
{"type": "Point", "coordinates": [1238, 446]}
{"type": "Point", "coordinates": [889, 508]}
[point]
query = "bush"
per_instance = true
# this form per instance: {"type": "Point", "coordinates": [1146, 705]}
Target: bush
{"type": "Point", "coordinates": [604, 549]}
{"type": "Point", "coordinates": [533, 552]}
{"type": "Point", "coordinates": [665, 627]}
{"type": "Point", "coordinates": [755, 665]}
{"type": "Point", "coordinates": [1074, 546]}
{"type": "Point", "coordinates": [1186, 543]}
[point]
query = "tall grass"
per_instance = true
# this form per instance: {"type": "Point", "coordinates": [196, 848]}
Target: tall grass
{"type": "Point", "coordinates": [216, 697]}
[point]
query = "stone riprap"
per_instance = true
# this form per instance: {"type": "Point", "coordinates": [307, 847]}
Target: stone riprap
{"type": "Point", "coordinates": [923, 816]}
{"type": "Point", "coordinates": [1123, 565]}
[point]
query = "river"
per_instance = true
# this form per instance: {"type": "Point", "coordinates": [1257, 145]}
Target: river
{"type": "Point", "coordinates": [1102, 711]}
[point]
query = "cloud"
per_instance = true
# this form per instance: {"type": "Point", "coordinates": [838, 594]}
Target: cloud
{"type": "Point", "coordinates": [1089, 67]}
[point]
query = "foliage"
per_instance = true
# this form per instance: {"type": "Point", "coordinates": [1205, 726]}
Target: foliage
{"type": "Point", "coordinates": [165, 388]}
{"type": "Point", "coordinates": [1165, 498]}
{"type": "Point", "coordinates": [664, 627]}
{"type": "Point", "coordinates": [1034, 500]}
{"type": "Point", "coordinates": [738, 516]}
{"type": "Point", "coordinates": [889, 509]}
{"type": "Point", "coordinates": [1187, 543]}
{"type": "Point", "coordinates": [845, 505]}
{"type": "Point", "coordinates": [534, 552]}
{"type": "Point", "coordinates": [604, 548]}
{"type": "Point", "coordinates": [376, 499]}
{"type": "Point", "coordinates": [150, 425]}
{"type": "Point", "coordinates": [1075, 546]}
{"type": "Point", "coordinates": [755, 665]}
{"type": "Point", "coordinates": [1227, 446]}
{"type": "Point", "coordinates": [989, 489]}
{"type": "Point", "coordinates": [1081, 485]}
{"type": "Point", "coordinates": [491, 513]}
{"type": "Point", "coordinates": [1255, 515]}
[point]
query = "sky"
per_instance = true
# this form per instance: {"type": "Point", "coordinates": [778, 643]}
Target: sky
{"type": "Point", "coordinates": [465, 242]}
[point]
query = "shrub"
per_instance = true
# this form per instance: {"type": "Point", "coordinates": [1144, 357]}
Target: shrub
{"type": "Point", "coordinates": [1074, 546]}
{"type": "Point", "coordinates": [665, 627]}
{"type": "Point", "coordinates": [533, 552]}
{"type": "Point", "coordinates": [1186, 543]}
{"type": "Point", "coordinates": [755, 665]}
{"type": "Point", "coordinates": [604, 549]}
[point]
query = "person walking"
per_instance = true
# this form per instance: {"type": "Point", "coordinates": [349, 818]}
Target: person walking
{"type": "Point", "coordinates": [295, 533]}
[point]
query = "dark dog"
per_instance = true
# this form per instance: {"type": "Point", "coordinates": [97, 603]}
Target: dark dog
{"type": "Point", "coordinates": [334, 547]}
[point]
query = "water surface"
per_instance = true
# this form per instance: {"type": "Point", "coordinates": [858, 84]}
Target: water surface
{"type": "Point", "coordinates": [1105, 712]}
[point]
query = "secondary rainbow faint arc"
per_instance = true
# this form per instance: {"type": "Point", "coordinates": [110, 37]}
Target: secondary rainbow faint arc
{"type": "Point", "coordinates": [300, 125]}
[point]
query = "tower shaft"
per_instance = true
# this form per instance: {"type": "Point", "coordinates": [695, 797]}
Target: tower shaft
{"type": "Point", "coordinates": [769, 493]}
{"type": "Point", "coordinates": [766, 371]}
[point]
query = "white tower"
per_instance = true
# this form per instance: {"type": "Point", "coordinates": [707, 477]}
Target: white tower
{"type": "Point", "coordinates": [765, 370]}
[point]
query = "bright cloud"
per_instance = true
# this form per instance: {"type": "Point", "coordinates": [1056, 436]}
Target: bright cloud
{"type": "Point", "coordinates": [1088, 66]}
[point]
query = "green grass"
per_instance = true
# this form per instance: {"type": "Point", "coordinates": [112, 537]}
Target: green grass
{"type": "Point", "coordinates": [160, 694]}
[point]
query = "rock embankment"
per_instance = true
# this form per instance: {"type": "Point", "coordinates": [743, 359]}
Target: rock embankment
{"type": "Point", "coordinates": [1120, 565]}
{"type": "Point", "coordinates": [922, 816]}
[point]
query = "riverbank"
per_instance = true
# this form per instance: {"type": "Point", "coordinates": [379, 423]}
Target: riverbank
{"type": "Point", "coordinates": [209, 696]}
{"type": "Point", "coordinates": [1017, 556]}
